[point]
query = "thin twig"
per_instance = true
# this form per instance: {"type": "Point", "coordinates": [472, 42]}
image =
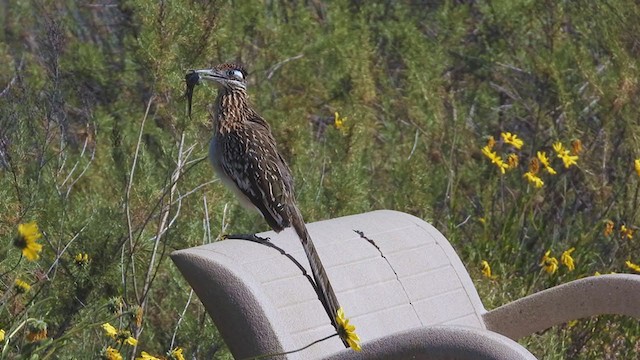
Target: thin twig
{"type": "Point", "coordinates": [128, 198]}
{"type": "Point", "coordinates": [13, 80]}
{"type": "Point", "coordinates": [277, 66]}
{"type": "Point", "coordinates": [184, 311]}
{"type": "Point", "coordinates": [10, 270]}
{"type": "Point", "coordinates": [181, 197]}
{"type": "Point", "coordinates": [464, 222]}
{"type": "Point", "coordinates": [207, 227]}
{"type": "Point", "coordinates": [322, 174]}
{"type": "Point", "coordinates": [75, 166]}
{"type": "Point", "coordinates": [163, 226]}
{"type": "Point", "coordinates": [93, 156]}
{"type": "Point", "coordinates": [206, 239]}
{"type": "Point", "coordinates": [64, 249]}
{"type": "Point", "coordinates": [225, 224]}
{"type": "Point", "coordinates": [415, 144]}
{"type": "Point", "coordinates": [163, 222]}
{"type": "Point", "coordinates": [265, 356]}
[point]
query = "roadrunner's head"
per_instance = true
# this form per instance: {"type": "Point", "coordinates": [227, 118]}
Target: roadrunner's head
{"type": "Point", "coordinates": [230, 76]}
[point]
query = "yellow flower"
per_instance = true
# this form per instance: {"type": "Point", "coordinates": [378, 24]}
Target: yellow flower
{"type": "Point", "coordinates": [563, 154]}
{"type": "Point", "coordinates": [495, 159]}
{"type": "Point", "coordinates": [176, 354]}
{"type": "Point", "coordinates": [21, 287]}
{"type": "Point", "coordinates": [125, 336]}
{"type": "Point", "coordinates": [82, 259]}
{"type": "Point", "coordinates": [110, 354]}
{"type": "Point", "coordinates": [637, 166]}
{"type": "Point", "coordinates": [559, 148]}
{"type": "Point", "coordinates": [347, 331]}
{"type": "Point", "coordinates": [486, 270]}
{"type": "Point", "coordinates": [572, 323]}
{"type": "Point", "coordinates": [512, 139]}
{"type": "Point", "coordinates": [145, 356]}
{"type": "Point", "coordinates": [28, 234]}
{"type": "Point", "coordinates": [597, 273]}
{"type": "Point", "coordinates": [110, 330]}
{"type": "Point", "coordinates": [535, 180]}
{"type": "Point", "coordinates": [549, 263]}
{"type": "Point", "coordinates": [338, 122]}
{"type": "Point", "coordinates": [486, 151]}
{"type": "Point", "coordinates": [119, 335]}
{"type": "Point", "coordinates": [576, 146]}
{"type": "Point", "coordinates": [569, 160]}
{"type": "Point", "coordinates": [632, 266]}
{"type": "Point", "coordinates": [131, 341]}
{"type": "Point", "coordinates": [36, 331]}
{"type": "Point", "coordinates": [502, 166]}
{"type": "Point", "coordinates": [608, 228]}
{"type": "Point", "coordinates": [512, 160]}
{"type": "Point", "coordinates": [626, 232]}
{"type": "Point", "coordinates": [542, 156]}
{"type": "Point", "coordinates": [567, 260]}
{"type": "Point", "coordinates": [1, 335]}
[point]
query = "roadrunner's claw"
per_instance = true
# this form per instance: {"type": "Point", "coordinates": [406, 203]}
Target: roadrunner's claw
{"type": "Point", "coordinates": [262, 239]}
{"type": "Point", "coordinates": [249, 237]}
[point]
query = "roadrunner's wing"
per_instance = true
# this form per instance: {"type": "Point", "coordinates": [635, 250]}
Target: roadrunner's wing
{"type": "Point", "coordinates": [259, 172]}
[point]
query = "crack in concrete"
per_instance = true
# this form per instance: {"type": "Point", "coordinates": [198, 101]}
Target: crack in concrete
{"type": "Point", "coordinates": [373, 243]}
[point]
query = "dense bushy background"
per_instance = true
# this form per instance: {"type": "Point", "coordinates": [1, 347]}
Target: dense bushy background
{"type": "Point", "coordinates": [95, 146]}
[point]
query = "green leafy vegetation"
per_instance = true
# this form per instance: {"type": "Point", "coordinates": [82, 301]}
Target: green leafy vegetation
{"type": "Point", "coordinates": [97, 149]}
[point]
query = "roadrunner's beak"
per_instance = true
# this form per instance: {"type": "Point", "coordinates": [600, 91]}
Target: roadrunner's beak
{"type": "Point", "coordinates": [205, 74]}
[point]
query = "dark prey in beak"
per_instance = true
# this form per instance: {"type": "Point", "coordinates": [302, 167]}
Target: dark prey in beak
{"type": "Point", "coordinates": [192, 78]}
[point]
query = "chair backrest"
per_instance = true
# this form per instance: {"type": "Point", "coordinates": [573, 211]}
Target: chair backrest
{"type": "Point", "coordinates": [391, 272]}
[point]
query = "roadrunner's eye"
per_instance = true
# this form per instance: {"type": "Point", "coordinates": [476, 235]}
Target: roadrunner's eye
{"type": "Point", "coordinates": [236, 74]}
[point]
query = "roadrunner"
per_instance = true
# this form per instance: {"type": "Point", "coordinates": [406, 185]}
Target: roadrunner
{"type": "Point", "coordinates": [244, 155]}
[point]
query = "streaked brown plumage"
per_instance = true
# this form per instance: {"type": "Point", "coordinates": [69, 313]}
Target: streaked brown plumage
{"type": "Point", "coordinates": [244, 155]}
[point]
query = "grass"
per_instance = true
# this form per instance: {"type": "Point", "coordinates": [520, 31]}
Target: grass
{"type": "Point", "coordinates": [96, 147]}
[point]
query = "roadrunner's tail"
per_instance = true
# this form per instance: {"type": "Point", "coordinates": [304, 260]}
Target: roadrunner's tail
{"type": "Point", "coordinates": [324, 288]}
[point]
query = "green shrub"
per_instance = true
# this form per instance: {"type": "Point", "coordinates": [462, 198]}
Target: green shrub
{"type": "Point", "coordinates": [96, 148]}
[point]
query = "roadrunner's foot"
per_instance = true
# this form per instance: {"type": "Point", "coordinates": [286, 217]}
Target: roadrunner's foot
{"type": "Point", "coordinates": [249, 237]}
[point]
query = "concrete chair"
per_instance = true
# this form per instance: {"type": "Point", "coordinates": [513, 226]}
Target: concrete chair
{"type": "Point", "coordinates": [400, 283]}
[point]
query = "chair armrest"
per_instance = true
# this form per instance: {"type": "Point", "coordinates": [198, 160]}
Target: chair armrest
{"type": "Point", "coordinates": [595, 295]}
{"type": "Point", "coordinates": [439, 343]}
